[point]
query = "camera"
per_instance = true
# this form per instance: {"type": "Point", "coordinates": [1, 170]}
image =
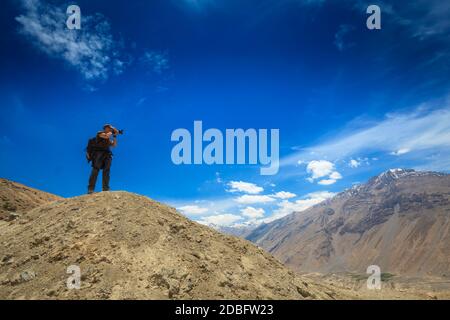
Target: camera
{"type": "Point", "coordinates": [117, 131]}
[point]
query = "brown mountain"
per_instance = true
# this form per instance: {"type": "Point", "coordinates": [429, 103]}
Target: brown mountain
{"type": "Point", "coordinates": [17, 199]}
{"type": "Point", "coordinates": [130, 247]}
{"type": "Point", "coordinates": [399, 221]}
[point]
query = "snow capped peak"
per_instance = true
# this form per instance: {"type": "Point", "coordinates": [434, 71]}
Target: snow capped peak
{"type": "Point", "coordinates": [399, 172]}
{"type": "Point", "coordinates": [386, 179]}
{"type": "Point", "coordinates": [393, 174]}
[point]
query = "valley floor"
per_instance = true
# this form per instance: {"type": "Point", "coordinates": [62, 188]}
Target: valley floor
{"type": "Point", "coordinates": [394, 288]}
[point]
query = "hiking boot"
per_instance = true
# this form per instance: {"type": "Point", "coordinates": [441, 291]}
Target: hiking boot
{"type": "Point", "coordinates": [90, 191]}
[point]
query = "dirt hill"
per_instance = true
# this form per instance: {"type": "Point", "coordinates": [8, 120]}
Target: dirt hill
{"type": "Point", "coordinates": [130, 247]}
{"type": "Point", "coordinates": [16, 199]}
{"type": "Point", "coordinates": [399, 221]}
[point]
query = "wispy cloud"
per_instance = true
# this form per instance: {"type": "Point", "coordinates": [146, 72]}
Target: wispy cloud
{"type": "Point", "coordinates": [287, 207]}
{"type": "Point", "coordinates": [426, 128]}
{"type": "Point", "coordinates": [253, 213]}
{"type": "Point", "coordinates": [426, 19]}
{"type": "Point", "coordinates": [245, 187]}
{"type": "Point", "coordinates": [400, 152]}
{"type": "Point", "coordinates": [92, 50]}
{"type": "Point", "coordinates": [141, 101]}
{"type": "Point", "coordinates": [284, 195]}
{"type": "Point", "coordinates": [193, 210]}
{"type": "Point", "coordinates": [339, 38]}
{"type": "Point", "coordinates": [156, 61]}
{"type": "Point", "coordinates": [222, 220]}
{"type": "Point", "coordinates": [198, 5]}
{"type": "Point", "coordinates": [251, 199]}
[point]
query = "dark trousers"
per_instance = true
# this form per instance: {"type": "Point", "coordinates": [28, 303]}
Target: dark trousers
{"type": "Point", "coordinates": [105, 166]}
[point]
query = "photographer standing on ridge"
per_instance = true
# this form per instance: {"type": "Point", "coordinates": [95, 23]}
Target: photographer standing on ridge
{"type": "Point", "coordinates": [98, 151]}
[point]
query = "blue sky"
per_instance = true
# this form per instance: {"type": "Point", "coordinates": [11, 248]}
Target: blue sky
{"type": "Point", "coordinates": [349, 102]}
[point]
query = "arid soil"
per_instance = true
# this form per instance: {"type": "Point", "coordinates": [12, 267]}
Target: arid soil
{"type": "Point", "coordinates": [16, 199]}
{"type": "Point", "coordinates": [130, 247]}
{"type": "Point", "coordinates": [392, 287]}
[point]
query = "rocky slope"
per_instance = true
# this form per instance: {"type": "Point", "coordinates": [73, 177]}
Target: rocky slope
{"type": "Point", "coordinates": [130, 247]}
{"type": "Point", "coordinates": [399, 221]}
{"type": "Point", "coordinates": [16, 199]}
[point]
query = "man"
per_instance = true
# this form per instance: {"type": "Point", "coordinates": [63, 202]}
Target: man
{"type": "Point", "coordinates": [99, 152]}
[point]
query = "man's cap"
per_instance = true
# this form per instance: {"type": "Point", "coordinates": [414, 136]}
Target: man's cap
{"type": "Point", "coordinates": [108, 126]}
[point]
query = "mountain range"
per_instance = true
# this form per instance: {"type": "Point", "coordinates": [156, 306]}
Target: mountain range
{"type": "Point", "coordinates": [128, 246]}
{"type": "Point", "coordinates": [399, 221]}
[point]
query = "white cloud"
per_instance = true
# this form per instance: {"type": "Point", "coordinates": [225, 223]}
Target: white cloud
{"type": "Point", "coordinates": [287, 207]}
{"type": "Point", "coordinates": [401, 151]}
{"type": "Point", "coordinates": [321, 195]}
{"type": "Point", "coordinates": [354, 163]}
{"type": "Point", "coordinates": [223, 220]}
{"type": "Point", "coordinates": [192, 210]}
{"type": "Point", "coordinates": [321, 169]}
{"type": "Point", "coordinates": [327, 182]}
{"type": "Point", "coordinates": [245, 187]}
{"type": "Point", "coordinates": [284, 195]}
{"type": "Point", "coordinates": [251, 199]}
{"type": "Point", "coordinates": [91, 50]}
{"type": "Point", "coordinates": [253, 213]}
{"type": "Point", "coordinates": [335, 175]}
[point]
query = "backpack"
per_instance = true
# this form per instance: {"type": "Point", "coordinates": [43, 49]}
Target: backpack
{"type": "Point", "coordinates": [96, 144]}
{"type": "Point", "coordinates": [91, 146]}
